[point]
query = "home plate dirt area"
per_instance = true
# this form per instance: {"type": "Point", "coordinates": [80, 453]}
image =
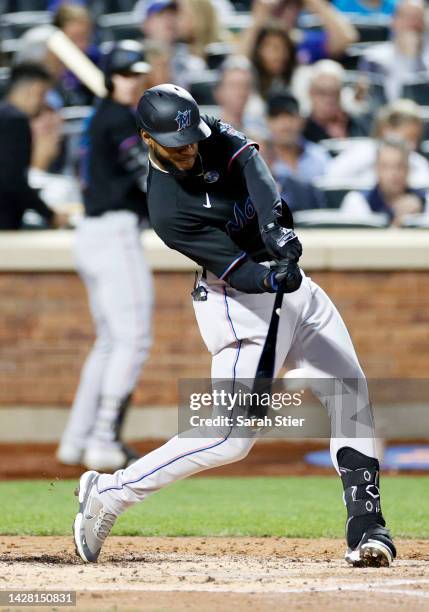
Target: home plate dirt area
{"type": "Point", "coordinates": [194, 574]}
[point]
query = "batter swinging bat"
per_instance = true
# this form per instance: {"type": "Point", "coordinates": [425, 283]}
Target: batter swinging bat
{"type": "Point", "coordinates": [76, 61]}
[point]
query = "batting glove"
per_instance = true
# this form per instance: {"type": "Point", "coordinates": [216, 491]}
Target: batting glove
{"type": "Point", "coordinates": [280, 242]}
{"type": "Point", "coordinates": [285, 275]}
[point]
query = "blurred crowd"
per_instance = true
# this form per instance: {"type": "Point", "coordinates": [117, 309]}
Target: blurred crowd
{"type": "Point", "coordinates": [335, 93]}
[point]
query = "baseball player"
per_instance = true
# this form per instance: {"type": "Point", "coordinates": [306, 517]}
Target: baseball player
{"type": "Point", "coordinates": [212, 197]}
{"type": "Point", "coordinates": [110, 261]}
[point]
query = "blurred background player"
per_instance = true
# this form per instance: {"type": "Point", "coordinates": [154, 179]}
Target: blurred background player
{"type": "Point", "coordinates": [25, 98]}
{"type": "Point", "coordinates": [111, 263]}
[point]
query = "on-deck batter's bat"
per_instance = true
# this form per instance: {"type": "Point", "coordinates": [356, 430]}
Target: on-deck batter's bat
{"type": "Point", "coordinates": [76, 61]}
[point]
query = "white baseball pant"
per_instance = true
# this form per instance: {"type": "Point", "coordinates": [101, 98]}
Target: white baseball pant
{"type": "Point", "coordinates": [234, 326]}
{"type": "Point", "coordinates": [111, 263]}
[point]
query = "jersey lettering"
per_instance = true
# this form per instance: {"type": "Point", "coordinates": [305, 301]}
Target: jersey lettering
{"type": "Point", "coordinates": [241, 217]}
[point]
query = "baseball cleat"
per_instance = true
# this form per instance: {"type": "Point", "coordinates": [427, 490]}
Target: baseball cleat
{"type": "Point", "coordinates": [67, 454]}
{"type": "Point", "coordinates": [375, 549]}
{"type": "Point", "coordinates": [93, 523]}
{"type": "Point", "coordinates": [108, 458]}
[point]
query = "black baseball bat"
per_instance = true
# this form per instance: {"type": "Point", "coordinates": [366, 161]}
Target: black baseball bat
{"type": "Point", "coordinates": [265, 370]}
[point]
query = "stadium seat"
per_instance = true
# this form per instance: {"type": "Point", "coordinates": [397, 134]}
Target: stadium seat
{"type": "Point", "coordinates": [335, 146]}
{"type": "Point", "coordinates": [334, 195]}
{"type": "Point", "coordinates": [424, 113]}
{"type": "Point", "coordinates": [116, 6]}
{"type": "Point", "coordinates": [118, 26]}
{"type": "Point", "coordinates": [416, 221]}
{"type": "Point", "coordinates": [371, 29]}
{"type": "Point", "coordinates": [424, 148]}
{"type": "Point", "coordinates": [4, 79]}
{"type": "Point", "coordinates": [242, 5]}
{"type": "Point", "coordinates": [16, 6]}
{"type": "Point", "coordinates": [210, 109]}
{"type": "Point", "coordinates": [353, 53]}
{"type": "Point", "coordinates": [236, 22]}
{"type": "Point", "coordinates": [202, 89]}
{"type": "Point", "coordinates": [325, 219]}
{"type": "Point", "coordinates": [217, 53]}
{"type": "Point", "coordinates": [417, 89]}
{"type": "Point", "coordinates": [13, 25]}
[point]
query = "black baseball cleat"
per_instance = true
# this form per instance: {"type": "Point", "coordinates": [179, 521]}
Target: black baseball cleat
{"type": "Point", "coordinates": [375, 549]}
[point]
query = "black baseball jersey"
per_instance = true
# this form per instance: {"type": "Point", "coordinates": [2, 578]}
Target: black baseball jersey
{"type": "Point", "coordinates": [113, 162]}
{"type": "Point", "coordinates": [16, 196]}
{"type": "Point", "coordinates": [213, 215]}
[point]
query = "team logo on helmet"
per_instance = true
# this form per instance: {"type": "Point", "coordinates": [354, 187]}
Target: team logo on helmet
{"type": "Point", "coordinates": [183, 119]}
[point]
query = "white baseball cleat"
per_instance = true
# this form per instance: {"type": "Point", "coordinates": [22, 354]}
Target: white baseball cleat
{"type": "Point", "coordinates": [93, 522]}
{"type": "Point", "coordinates": [68, 454]}
{"type": "Point", "coordinates": [107, 458]}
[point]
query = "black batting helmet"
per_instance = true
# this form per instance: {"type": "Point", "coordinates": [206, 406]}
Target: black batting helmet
{"type": "Point", "coordinates": [125, 57]}
{"type": "Point", "coordinates": [171, 116]}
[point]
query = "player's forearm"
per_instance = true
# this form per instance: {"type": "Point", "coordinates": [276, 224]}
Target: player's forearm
{"type": "Point", "coordinates": [249, 277]}
{"type": "Point", "coordinates": [262, 190]}
{"type": "Point", "coordinates": [341, 33]}
{"type": "Point", "coordinates": [30, 199]}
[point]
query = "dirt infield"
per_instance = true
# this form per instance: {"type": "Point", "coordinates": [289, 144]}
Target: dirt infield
{"type": "Point", "coordinates": [217, 574]}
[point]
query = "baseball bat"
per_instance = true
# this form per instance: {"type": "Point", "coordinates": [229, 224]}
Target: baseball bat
{"type": "Point", "coordinates": [265, 370]}
{"type": "Point", "coordinates": [76, 61]}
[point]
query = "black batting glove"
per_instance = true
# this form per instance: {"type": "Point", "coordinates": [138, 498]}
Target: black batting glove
{"type": "Point", "coordinates": [285, 275]}
{"type": "Point", "coordinates": [280, 242]}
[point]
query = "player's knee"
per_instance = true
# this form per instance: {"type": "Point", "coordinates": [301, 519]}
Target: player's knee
{"type": "Point", "coordinates": [237, 449]}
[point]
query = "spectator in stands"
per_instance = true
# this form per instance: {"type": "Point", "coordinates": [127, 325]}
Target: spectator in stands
{"type": "Point", "coordinates": [405, 55]}
{"type": "Point", "coordinates": [159, 57]}
{"type": "Point", "coordinates": [401, 119]}
{"type": "Point", "coordinates": [158, 19]}
{"type": "Point", "coordinates": [367, 8]}
{"type": "Point", "coordinates": [392, 194]}
{"type": "Point", "coordinates": [273, 58]}
{"type": "Point", "coordinates": [336, 34]}
{"type": "Point", "coordinates": [29, 84]}
{"type": "Point", "coordinates": [327, 117]}
{"type": "Point", "coordinates": [234, 95]}
{"type": "Point", "coordinates": [76, 23]}
{"type": "Point", "coordinates": [292, 153]}
{"type": "Point", "coordinates": [198, 25]}
{"type": "Point", "coordinates": [160, 24]}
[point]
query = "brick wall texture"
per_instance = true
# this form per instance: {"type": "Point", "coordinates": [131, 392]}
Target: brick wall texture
{"type": "Point", "coordinates": [46, 332]}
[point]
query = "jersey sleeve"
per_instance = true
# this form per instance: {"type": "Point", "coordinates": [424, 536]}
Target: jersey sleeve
{"type": "Point", "coordinates": [212, 249]}
{"type": "Point", "coordinates": [238, 148]}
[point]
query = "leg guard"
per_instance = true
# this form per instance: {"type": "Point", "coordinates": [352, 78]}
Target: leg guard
{"type": "Point", "coordinates": [360, 477]}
